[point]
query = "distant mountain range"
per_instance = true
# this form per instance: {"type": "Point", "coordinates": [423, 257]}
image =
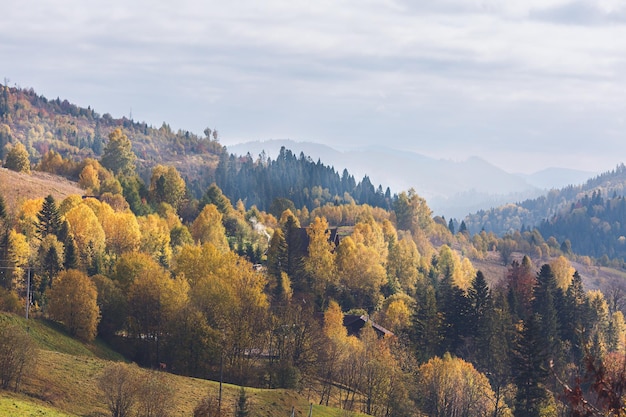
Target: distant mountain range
{"type": "Point", "coordinates": [452, 188]}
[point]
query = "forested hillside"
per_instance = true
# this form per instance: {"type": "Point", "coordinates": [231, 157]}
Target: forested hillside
{"type": "Point", "coordinates": [530, 213]}
{"type": "Point", "coordinates": [361, 300]}
{"type": "Point", "coordinates": [299, 179]}
{"type": "Point", "coordinates": [594, 225]}
{"type": "Point", "coordinates": [52, 130]}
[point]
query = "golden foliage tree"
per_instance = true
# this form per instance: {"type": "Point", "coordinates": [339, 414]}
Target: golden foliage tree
{"type": "Point", "coordinates": [563, 272]}
{"type": "Point", "coordinates": [155, 238]}
{"type": "Point", "coordinates": [320, 264]}
{"type": "Point", "coordinates": [88, 233]}
{"type": "Point", "coordinates": [403, 263]}
{"type": "Point", "coordinates": [450, 386]}
{"type": "Point", "coordinates": [361, 272]}
{"type": "Point", "coordinates": [17, 159]}
{"type": "Point", "coordinates": [73, 301]}
{"type": "Point", "coordinates": [153, 300]}
{"type": "Point", "coordinates": [208, 228]}
{"type": "Point", "coordinates": [88, 179]}
{"type": "Point", "coordinates": [121, 230]}
{"type": "Point", "coordinates": [166, 185]}
{"type": "Point", "coordinates": [27, 217]}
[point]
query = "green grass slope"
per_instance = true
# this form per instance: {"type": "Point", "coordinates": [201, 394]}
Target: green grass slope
{"type": "Point", "coordinates": [64, 383]}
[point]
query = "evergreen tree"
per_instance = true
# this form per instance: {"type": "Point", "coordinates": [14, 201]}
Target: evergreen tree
{"type": "Point", "coordinates": [277, 254]}
{"type": "Point", "coordinates": [3, 208]}
{"type": "Point", "coordinates": [426, 324]}
{"type": "Point", "coordinates": [296, 249]}
{"type": "Point", "coordinates": [49, 218]}
{"type": "Point", "coordinates": [51, 264]}
{"type": "Point", "coordinates": [576, 316]}
{"type": "Point", "coordinates": [451, 226]}
{"type": "Point", "coordinates": [454, 307]}
{"type": "Point", "coordinates": [214, 195]}
{"type": "Point", "coordinates": [480, 305]}
{"type": "Point", "coordinates": [529, 369]}
{"type": "Point", "coordinates": [544, 305]}
{"type": "Point", "coordinates": [6, 275]}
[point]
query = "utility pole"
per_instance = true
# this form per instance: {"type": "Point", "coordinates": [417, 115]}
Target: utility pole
{"type": "Point", "coordinates": [28, 293]}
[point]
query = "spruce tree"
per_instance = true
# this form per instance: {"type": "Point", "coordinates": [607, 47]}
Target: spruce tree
{"type": "Point", "coordinates": [529, 369]}
{"type": "Point", "coordinates": [454, 306]}
{"type": "Point", "coordinates": [49, 218]}
{"type": "Point", "coordinates": [480, 302]}
{"type": "Point", "coordinates": [544, 305]}
{"type": "Point", "coordinates": [3, 208]}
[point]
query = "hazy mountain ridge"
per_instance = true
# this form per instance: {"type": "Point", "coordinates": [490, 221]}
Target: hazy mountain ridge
{"type": "Point", "coordinates": [452, 188]}
{"type": "Point", "coordinates": [531, 212]}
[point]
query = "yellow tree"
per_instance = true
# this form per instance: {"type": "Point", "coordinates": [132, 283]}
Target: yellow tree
{"type": "Point", "coordinates": [361, 273]}
{"type": "Point", "coordinates": [396, 312]}
{"type": "Point", "coordinates": [166, 185]}
{"type": "Point", "coordinates": [208, 228]}
{"type": "Point", "coordinates": [73, 301]}
{"type": "Point", "coordinates": [201, 262]}
{"type": "Point", "coordinates": [155, 238]}
{"type": "Point", "coordinates": [320, 264]}
{"type": "Point", "coordinates": [154, 299]}
{"type": "Point", "coordinates": [403, 262]}
{"type": "Point", "coordinates": [19, 254]}
{"type": "Point", "coordinates": [87, 232]}
{"type": "Point", "coordinates": [231, 296]}
{"type": "Point", "coordinates": [88, 179]}
{"type": "Point", "coordinates": [17, 159]}
{"type": "Point", "coordinates": [370, 234]}
{"type": "Point", "coordinates": [121, 230]}
{"type": "Point", "coordinates": [27, 217]}
{"type": "Point", "coordinates": [450, 386]}
{"type": "Point", "coordinates": [129, 266]}
{"type": "Point", "coordinates": [69, 203]}
{"type": "Point", "coordinates": [563, 272]}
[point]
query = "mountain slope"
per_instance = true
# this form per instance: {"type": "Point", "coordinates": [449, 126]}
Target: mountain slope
{"type": "Point", "coordinates": [77, 132]}
{"type": "Point", "coordinates": [531, 212]}
{"type": "Point", "coordinates": [16, 187]}
{"type": "Point", "coordinates": [65, 382]}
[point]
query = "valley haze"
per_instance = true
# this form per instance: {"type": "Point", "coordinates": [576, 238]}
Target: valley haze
{"type": "Point", "coordinates": [452, 188]}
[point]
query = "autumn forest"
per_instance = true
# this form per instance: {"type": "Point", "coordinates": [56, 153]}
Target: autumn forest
{"type": "Point", "coordinates": [284, 273]}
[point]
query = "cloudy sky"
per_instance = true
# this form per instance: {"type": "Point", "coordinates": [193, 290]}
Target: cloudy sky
{"type": "Point", "coordinates": [525, 84]}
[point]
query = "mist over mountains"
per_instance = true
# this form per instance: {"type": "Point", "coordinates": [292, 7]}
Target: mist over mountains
{"type": "Point", "coordinates": [452, 188]}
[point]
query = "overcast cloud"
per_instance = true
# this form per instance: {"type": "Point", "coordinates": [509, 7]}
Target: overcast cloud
{"type": "Point", "coordinates": [524, 84]}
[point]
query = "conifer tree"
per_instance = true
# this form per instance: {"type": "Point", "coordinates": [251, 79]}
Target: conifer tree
{"type": "Point", "coordinates": [49, 218]}
{"type": "Point", "coordinates": [529, 368]}
{"type": "Point", "coordinates": [454, 306]}
{"type": "Point", "coordinates": [426, 334]}
{"type": "Point", "coordinates": [544, 305]}
{"type": "Point", "coordinates": [3, 208]}
{"type": "Point", "coordinates": [480, 311]}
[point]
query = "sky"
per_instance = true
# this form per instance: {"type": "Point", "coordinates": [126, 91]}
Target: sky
{"type": "Point", "coordinates": [524, 84]}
